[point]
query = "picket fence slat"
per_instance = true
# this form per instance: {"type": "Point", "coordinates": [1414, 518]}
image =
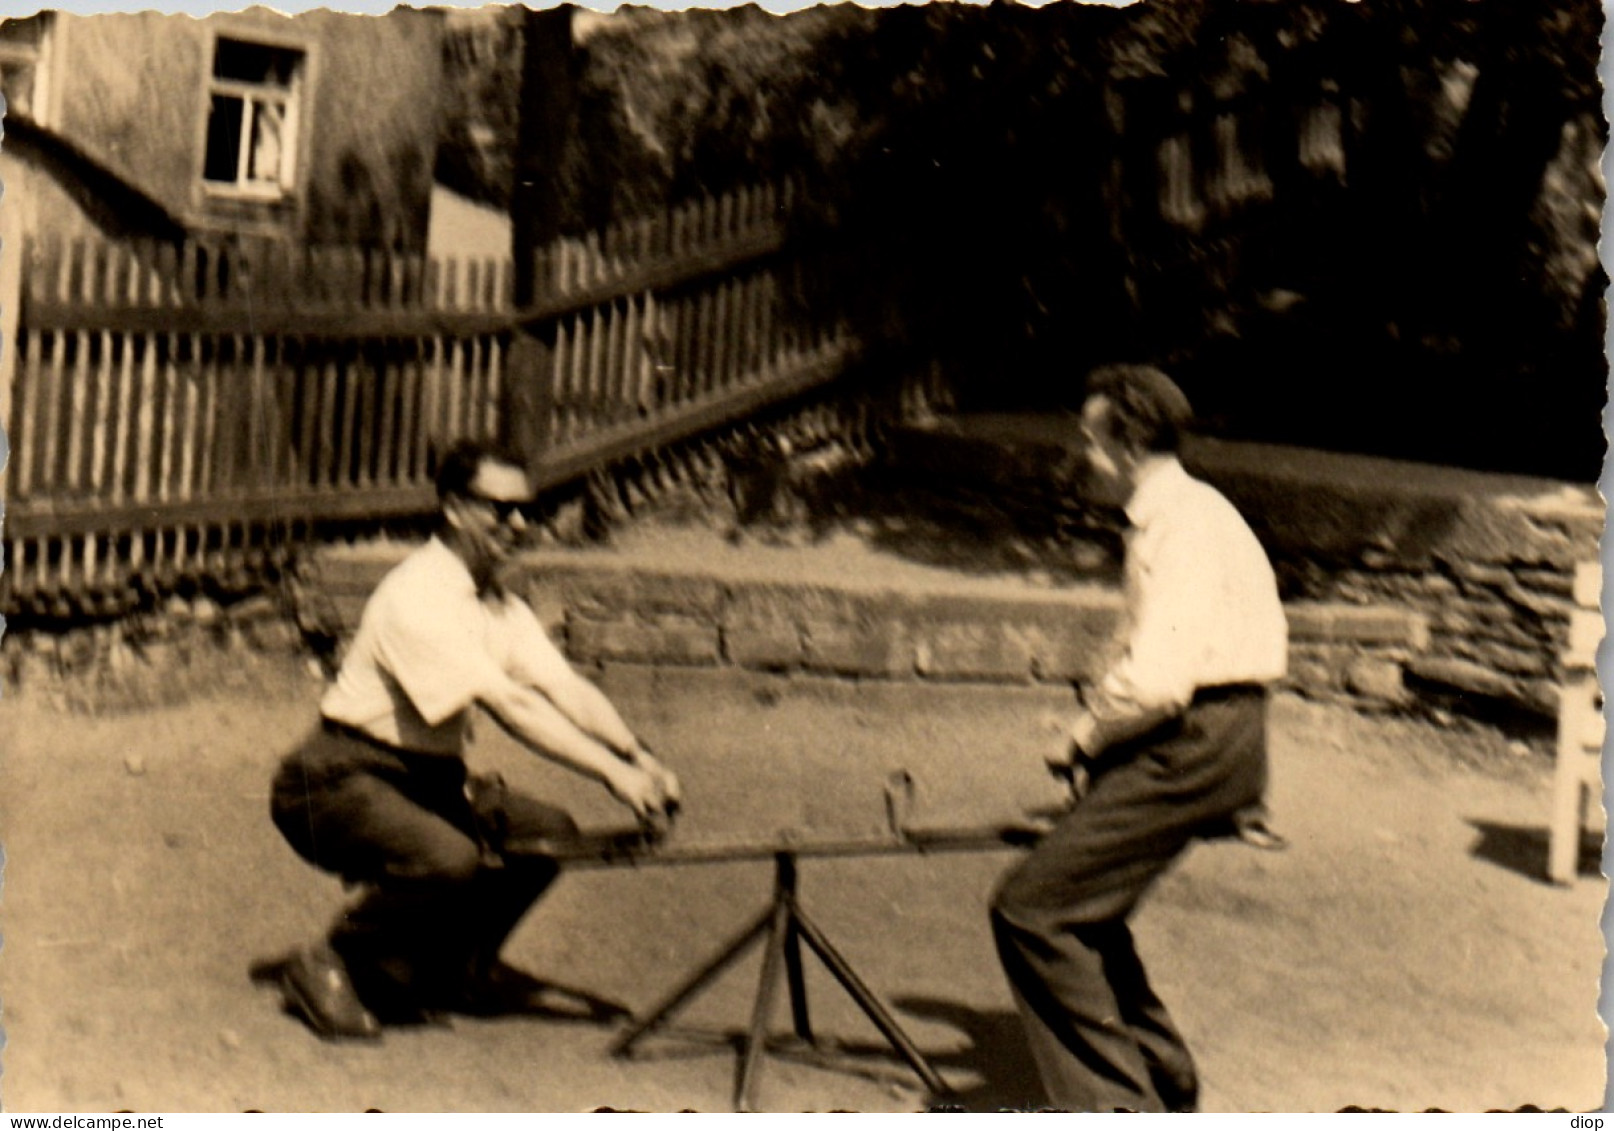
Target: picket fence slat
{"type": "Point", "coordinates": [23, 426]}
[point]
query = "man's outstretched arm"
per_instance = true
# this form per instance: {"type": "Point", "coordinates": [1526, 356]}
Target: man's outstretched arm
{"type": "Point", "coordinates": [548, 731]}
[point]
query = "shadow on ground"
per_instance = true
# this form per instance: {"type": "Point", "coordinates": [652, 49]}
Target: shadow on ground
{"type": "Point", "coordinates": [1523, 849]}
{"type": "Point", "coordinates": [993, 1070]}
{"type": "Point", "coordinates": [996, 1057]}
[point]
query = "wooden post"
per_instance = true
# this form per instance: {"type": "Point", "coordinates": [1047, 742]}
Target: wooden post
{"type": "Point", "coordinates": [529, 393]}
{"type": "Point", "coordinates": [1577, 776]}
{"type": "Point", "coordinates": [540, 204]}
{"type": "Point", "coordinates": [12, 251]}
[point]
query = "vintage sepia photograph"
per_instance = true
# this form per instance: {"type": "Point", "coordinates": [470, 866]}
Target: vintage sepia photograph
{"type": "Point", "coordinates": [929, 558]}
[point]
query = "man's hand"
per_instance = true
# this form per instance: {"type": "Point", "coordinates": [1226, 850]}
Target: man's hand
{"type": "Point", "coordinates": [1066, 761]}
{"type": "Point", "coordinates": [640, 791]}
{"type": "Point", "coordinates": [672, 792]}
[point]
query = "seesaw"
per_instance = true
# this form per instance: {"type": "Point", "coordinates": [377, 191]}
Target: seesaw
{"type": "Point", "coordinates": [783, 925]}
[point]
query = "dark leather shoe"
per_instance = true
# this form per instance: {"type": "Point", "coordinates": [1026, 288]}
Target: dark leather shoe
{"type": "Point", "coordinates": [318, 991]}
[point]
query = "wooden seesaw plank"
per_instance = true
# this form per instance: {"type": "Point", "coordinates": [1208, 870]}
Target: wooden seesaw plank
{"type": "Point", "coordinates": [636, 847]}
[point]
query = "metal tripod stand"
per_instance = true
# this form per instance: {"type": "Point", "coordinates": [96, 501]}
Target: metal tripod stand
{"type": "Point", "coordinates": [782, 927]}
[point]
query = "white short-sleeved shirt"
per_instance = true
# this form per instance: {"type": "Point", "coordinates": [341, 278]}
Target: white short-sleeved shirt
{"type": "Point", "coordinates": [429, 647]}
{"type": "Point", "coordinates": [1202, 608]}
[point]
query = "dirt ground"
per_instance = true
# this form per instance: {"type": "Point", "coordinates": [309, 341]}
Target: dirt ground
{"type": "Point", "coordinates": [1403, 954]}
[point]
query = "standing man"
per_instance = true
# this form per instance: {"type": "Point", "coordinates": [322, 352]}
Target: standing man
{"type": "Point", "coordinates": [380, 794]}
{"type": "Point", "coordinates": [1168, 745]}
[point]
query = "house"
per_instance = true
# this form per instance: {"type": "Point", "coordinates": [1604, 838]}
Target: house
{"type": "Point", "coordinates": [320, 128]}
{"type": "Point", "coordinates": [248, 126]}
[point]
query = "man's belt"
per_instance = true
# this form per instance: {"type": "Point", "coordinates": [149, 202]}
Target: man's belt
{"type": "Point", "coordinates": [354, 734]}
{"type": "Point", "coordinates": [1219, 692]}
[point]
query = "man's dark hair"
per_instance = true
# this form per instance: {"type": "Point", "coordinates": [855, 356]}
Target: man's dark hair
{"type": "Point", "coordinates": [1148, 412]}
{"type": "Point", "coordinates": [464, 458]}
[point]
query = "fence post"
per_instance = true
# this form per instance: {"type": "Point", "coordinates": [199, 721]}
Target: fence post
{"type": "Point", "coordinates": [12, 251]}
{"type": "Point", "coordinates": [547, 138]}
{"type": "Point", "coordinates": [529, 392]}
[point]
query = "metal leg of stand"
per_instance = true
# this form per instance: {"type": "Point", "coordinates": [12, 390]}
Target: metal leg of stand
{"type": "Point", "coordinates": [795, 975]}
{"type": "Point", "coordinates": [870, 1004]}
{"type": "Point", "coordinates": [784, 927]}
{"type": "Point", "coordinates": [767, 985]}
{"type": "Point", "coordinates": [741, 943]}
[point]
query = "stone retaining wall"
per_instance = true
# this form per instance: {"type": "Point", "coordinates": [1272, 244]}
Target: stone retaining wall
{"type": "Point", "coordinates": [1408, 587]}
{"type": "Point", "coordinates": [602, 609]}
{"type": "Point", "coordinates": [1487, 561]}
{"type": "Point", "coordinates": [606, 610]}
{"type": "Point", "coordinates": [181, 648]}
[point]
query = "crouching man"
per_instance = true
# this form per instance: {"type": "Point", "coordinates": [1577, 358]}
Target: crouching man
{"type": "Point", "coordinates": [380, 795]}
{"type": "Point", "coordinates": [1168, 745]}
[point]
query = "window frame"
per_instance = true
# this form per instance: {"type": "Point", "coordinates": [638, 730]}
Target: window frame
{"type": "Point", "coordinates": [284, 185]}
{"type": "Point", "coordinates": [39, 55]}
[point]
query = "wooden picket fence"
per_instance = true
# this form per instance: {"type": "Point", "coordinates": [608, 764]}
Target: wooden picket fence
{"type": "Point", "coordinates": [187, 413]}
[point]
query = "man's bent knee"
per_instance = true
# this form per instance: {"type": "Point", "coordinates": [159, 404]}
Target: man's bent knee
{"type": "Point", "coordinates": [1013, 916]}
{"type": "Point", "coordinates": [1017, 900]}
{"type": "Point", "coordinates": [447, 864]}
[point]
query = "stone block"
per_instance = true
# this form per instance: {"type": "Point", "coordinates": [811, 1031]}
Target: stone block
{"type": "Point", "coordinates": [668, 640]}
{"type": "Point", "coordinates": [1315, 670]}
{"type": "Point", "coordinates": [1361, 625]}
{"type": "Point", "coordinates": [684, 640]}
{"type": "Point", "coordinates": [757, 640]}
{"type": "Point", "coordinates": [1310, 621]}
{"type": "Point", "coordinates": [1381, 626]}
{"type": "Point", "coordinates": [681, 595]}
{"type": "Point", "coordinates": [1504, 658]}
{"type": "Point", "coordinates": [601, 589]}
{"type": "Point", "coordinates": [857, 647]}
{"type": "Point", "coordinates": [1541, 696]}
{"type": "Point", "coordinates": [1558, 582]}
{"type": "Point", "coordinates": [1482, 574]}
{"type": "Point", "coordinates": [1466, 615]}
{"type": "Point", "coordinates": [599, 596]}
{"type": "Point", "coordinates": [1436, 585]}
{"type": "Point", "coordinates": [1376, 678]}
{"type": "Point", "coordinates": [1069, 656]}
{"type": "Point", "coordinates": [1533, 601]}
{"type": "Point", "coordinates": [1462, 676]}
{"type": "Point", "coordinates": [975, 651]}
{"type": "Point", "coordinates": [1052, 638]}
{"type": "Point", "coordinates": [1356, 591]}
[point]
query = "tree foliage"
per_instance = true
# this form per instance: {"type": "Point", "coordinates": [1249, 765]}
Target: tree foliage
{"type": "Point", "coordinates": [1367, 225]}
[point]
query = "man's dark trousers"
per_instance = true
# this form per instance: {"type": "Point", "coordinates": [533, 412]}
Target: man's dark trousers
{"type": "Point", "coordinates": [424, 840]}
{"type": "Point", "coordinates": [1102, 1039]}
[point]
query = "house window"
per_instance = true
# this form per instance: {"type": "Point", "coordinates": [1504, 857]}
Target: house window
{"type": "Point", "coordinates": [252, 121]}
{"type": "Point", "coordinates": [24, 48]}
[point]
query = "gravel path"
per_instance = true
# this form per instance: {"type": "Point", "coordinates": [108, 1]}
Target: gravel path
{"type": "Point", "coordinates": [1403, 954]}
